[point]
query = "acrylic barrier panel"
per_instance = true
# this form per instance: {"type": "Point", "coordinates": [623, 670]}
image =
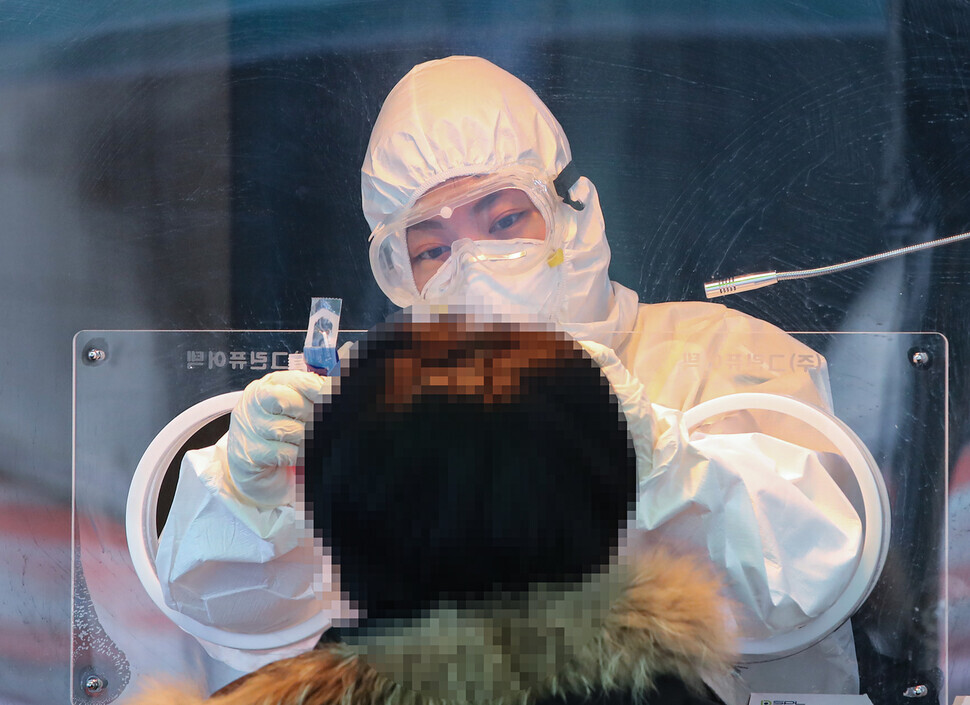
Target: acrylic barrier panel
{"type": "Point", "coordinates": [130, 386]}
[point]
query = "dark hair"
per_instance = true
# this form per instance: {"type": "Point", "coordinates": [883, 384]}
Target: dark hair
{"type": "Point", "coordinates": [459, 460]}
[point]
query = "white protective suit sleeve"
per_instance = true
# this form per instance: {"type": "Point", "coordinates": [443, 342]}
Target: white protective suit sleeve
{"type": "Point", "coordinates": [753, 491]}
{"type": "Point", "coordinates": [216, 551]}
{"type": "Point", "coordinates": [749, 500]}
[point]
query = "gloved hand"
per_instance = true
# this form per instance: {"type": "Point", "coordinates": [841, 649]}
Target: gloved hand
{"type": "Point", "coordinates": [633, 400]}
{"type": "Point", "coordinates": [266, 432]}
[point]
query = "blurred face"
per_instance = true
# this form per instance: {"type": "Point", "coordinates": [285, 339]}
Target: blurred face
{"type": "Point", "coordinates": [503, 215]}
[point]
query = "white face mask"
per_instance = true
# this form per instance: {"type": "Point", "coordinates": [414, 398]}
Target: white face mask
{"type": "Point", "coordinates": [477, 274]}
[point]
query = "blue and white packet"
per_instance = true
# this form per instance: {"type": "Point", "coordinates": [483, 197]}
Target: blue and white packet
{"type": "Point", "coordinates": [320, 347]}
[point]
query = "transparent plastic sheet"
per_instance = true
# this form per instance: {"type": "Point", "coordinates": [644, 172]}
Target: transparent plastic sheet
{"type": "Point", "coordinates": [889, 388]}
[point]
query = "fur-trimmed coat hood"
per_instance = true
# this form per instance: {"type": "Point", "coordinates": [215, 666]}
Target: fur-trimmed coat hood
{"type": "Point", "coordinates": [633, 632]}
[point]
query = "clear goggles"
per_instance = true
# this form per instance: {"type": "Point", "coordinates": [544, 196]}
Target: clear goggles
{"type": "Point", "coordinates": [505, 220]}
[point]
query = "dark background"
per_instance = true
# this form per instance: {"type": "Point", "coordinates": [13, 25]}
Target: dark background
{"type": "Point", "coordinates": [195, 165]}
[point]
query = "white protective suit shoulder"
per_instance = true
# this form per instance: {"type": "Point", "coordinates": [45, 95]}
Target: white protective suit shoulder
{"type": "Point", "coordinates": [751, 491]}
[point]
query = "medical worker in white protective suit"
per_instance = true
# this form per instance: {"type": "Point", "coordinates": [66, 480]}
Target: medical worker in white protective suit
{"type": "Point", "coordinates": [469, 188]}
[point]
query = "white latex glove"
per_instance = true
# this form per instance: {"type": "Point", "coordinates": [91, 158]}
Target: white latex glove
{"type": "Point", "coordinates": [266, 434]}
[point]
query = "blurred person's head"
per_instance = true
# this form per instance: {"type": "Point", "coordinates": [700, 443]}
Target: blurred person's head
{"type": "Point", "coordinates": [461, 460]}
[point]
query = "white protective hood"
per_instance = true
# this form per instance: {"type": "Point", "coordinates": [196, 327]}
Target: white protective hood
{"type": "Point", "coordinates": [463, 115]}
